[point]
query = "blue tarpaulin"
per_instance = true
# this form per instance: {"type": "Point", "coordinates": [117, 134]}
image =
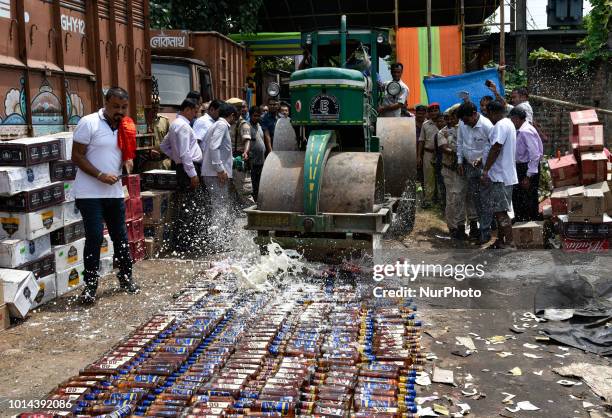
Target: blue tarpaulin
{"type": "Point", "coordinates": [445, 90]}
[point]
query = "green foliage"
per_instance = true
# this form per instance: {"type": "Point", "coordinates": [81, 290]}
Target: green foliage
{"type": "Point", "coordinates": [545, 54]}
{"type": "Point", "coordinates": [514, 78]}
{"type": "Point", "coordinates": [598, 25]}
{"type": "Point", "coordinates": [275, 63]}
{"type": "Point", "coordinates": [204, 15]}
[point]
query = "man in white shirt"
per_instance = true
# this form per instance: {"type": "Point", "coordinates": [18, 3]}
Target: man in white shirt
{"type": "Point", "coordinates": [519, 98]}
{"type": "Point", "coordinates": [203, 123]}
{"type": "Point", "coordinates": [217, 172]}
{"type": "Point", "coordinates": [499, 172]}
{"type": "Point", "coordinates": [392, 104]}
{"type": "Point", "coordinates": [472, 137]}
{"type": "Point", "coordinates": [98, 189]}
{"type": "Point", "coordinates": [181, 145]}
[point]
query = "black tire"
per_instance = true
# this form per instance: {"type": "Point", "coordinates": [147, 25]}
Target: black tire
{"type": "Point", "coordinates": [404, 216]}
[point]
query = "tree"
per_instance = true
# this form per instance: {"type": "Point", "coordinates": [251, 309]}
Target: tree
{"type": "Point", "coordinates": [215, 15]}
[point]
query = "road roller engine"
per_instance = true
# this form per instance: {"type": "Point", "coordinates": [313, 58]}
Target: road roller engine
{"type": "Point", "coordinates": [339, 176]}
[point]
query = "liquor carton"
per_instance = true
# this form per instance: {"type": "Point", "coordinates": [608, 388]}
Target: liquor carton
{"type": "Point", "coordinates": [594, 167]}
{"type": "Point", "coordinates": [68, 233]}
{"type": "Point", "coordinates": [135, 230]}
{"type": "Point", "coordinates": [160, 232]}
{"type": "Point", "coordinates": [583, 230]}
{"type": "Point", "coordinates": [5, 319]}
{"type": "Point", "coordinates": [586, 205]}
{"type": "Point", "coordinates": [582, 117]}
{"type": "Point", "coordinates": [132, 182]}
{"type": "Point", "coordinates": [15, 252]}
{"type": "Point", "coordinates": [585, 245]}
{"type": "Point", "coordinates": [70, 213]}
{"type": "Point", "coordinates": [138, 250]}
{"type": "Point", "coordinates": [46, 290]}
{"type": "Point", "coordinates": [152, 248]}
{"type": "Point", "coordinates": [63, 170]}
{"type": "Point", "coordinates": [528, 234]}
{"type": "Point", "coordinates": [591, 138]}
{"type": "Point", "coordinates": [156, 205]}
{"type": "Point", "coordinates": [32, 200]}
{"type": "Point", "coordinates": [107, 249]}
{"type": "Point", "coordinates": [15, 180]}
{"type": "Point", "coordinates": [564, 171]}
{"type": "Point", "coordinates": [69, 279]}
{"type": "Point", "coordinates": [31, 225]}
{"type": "Point", "coordinates": [66, 141]}
{"type": "Point", "coordinates": [70, 254]}
{"type": "Point", "coordinates": [558, 200]}
{"type": "Point", "coordinates": [41, 267]}
{"type": "Point", "coordinates": [69, 191]}
{"type": "Point", "coordinates": [26, 152]}
{"type": "Point", "coordinates": [106, 266]}
{"type": "Point", "coordinates": [605, 189]}
{"type": "Point", "coordinates": [133, 208]}
{"type": "Point", "coordinates": [19, 288]}
{"type": "Point", "coordinates": [159, 179]}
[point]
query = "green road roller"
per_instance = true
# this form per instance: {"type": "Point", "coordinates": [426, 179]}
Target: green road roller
{"type": "Point", "coordinates": [340, 178]}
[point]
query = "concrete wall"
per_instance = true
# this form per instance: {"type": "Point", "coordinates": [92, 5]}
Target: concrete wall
{"type": "Point", "coordinates": [555, 80]}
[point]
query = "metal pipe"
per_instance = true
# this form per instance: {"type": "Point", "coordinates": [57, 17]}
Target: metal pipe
{"type": "Point", "coordinates": [569, 104]}
{"type": "Point", "coordinates": [480, 25]}
{"type": "Point", "coordinates": [343, 41]}
{"type": "Point", "coordinates": [428, 37]}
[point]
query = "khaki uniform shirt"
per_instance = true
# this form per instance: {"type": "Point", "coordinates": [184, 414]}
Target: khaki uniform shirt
{"type": "Point", "coordinates": [448, 136]}
{"type": "Point", "coordinates": [428, 135]}
{"type": "Point", "coordinates": [239, 132]}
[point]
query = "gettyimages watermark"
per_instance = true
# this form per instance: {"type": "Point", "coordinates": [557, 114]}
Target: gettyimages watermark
{"type": "Point", "coordinates": [468, 279]}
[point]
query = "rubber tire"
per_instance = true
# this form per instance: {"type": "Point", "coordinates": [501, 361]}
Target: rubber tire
{"type": "Point", "coordinates": [404, 217]}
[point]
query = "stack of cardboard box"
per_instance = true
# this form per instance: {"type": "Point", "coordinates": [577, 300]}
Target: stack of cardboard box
{"type": "Point", "coordinates": [158, 209]}
{"type": "Point", "coordinates": [133, 217]}
{"type": "Point", "coordinates": [581, 199]}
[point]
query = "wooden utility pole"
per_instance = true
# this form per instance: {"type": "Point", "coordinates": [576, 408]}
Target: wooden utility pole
{"type": "Point", "coordinates": [521, 34]}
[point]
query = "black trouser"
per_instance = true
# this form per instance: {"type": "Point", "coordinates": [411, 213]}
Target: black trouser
{"type": "Point", "coordinates": [525, 202]}
{"type": "Point", "coordinates": [255, 178]}
{"type": "Point", "coordinates": [111, 211]}
{"type": "Point", "coordinates": [189, 227]}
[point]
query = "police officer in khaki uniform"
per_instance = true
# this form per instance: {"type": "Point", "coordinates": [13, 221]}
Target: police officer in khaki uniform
{"type": "Point", "coordinates": [427, 153]}
{"type": "Point", "coordinates": [240, 132]}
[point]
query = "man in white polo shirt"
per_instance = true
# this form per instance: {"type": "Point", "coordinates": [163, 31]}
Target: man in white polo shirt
{"type": "Point", "coordinates": [98, 191]}
{"type": "Point", "coordinates": [499, 172]}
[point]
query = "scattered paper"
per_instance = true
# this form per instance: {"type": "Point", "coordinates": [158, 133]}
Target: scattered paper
{"type": "Point", "coordinates": [420, 400]}
{"type": "Point", "coordinates": [539, 372]}
{"type": "Point", "coordinates": [597, 377]}
{"type": "Point", "coordinates": [440, 409]}
{"type": "Point", "coordinates": [527, 406]}
{"type": "Point", "coordinates": [426, 412]}
{"type": "Point", "coordinates": [586, 404]}
{"type": "Point", "coordinates": [531, 355]}
{"type": "Point", "coordinates": [531, 346]}
{"type": "Point", "coordinates": [568, 383]}
{"type": "Point", "coordinates": [469, 392]}
{"type": "Point", "coordinates": [516, 372]}
{"type": "Point", "coordinates": [443, 376]}
{"type": "Point", "coordinates": [423, 380]}
{"type": "Point", "coordinates": [431, 356]}
{"type": "Point", "coordinates": [505, 354]}
{"type": "Point", "coordinates": [508, 398]}
{"type": "Point", "coordinates": [497, 339]}
{"type": "Point", "coordinates": [461, 353]}
{"type": "Point", "coordinates": [466, 342]}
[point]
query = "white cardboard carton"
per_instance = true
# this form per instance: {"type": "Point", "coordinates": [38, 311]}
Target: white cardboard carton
{"type": "Point", "coordinates": [70, 213]}
{"type": "Point", "coordinates": [65, 139]}
{"type": "Point", "coordinates": [15, 252]}
{"type": "Point", "coordinates": [69, 279]}
{"type": "Point", "coordinates": [106, 266]}
{"type": "Point", "coordinates": [107, 249]}
{"type": "Point", "coordinates": [15, 180]}
{"type": "Point", "coordinates": [30, 225]}
{"type": "Point", "coordinates": [20, 289]}
{"type": "Point", "coordinates": [46, 290]}
{"type": "Point", "coordinates": [69, 191]}
{"type": "Point", "coordinates": [69, 255]}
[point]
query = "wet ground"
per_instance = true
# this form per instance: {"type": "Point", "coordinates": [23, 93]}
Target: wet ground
{"type": "Point", "coordinates": [60, 338]}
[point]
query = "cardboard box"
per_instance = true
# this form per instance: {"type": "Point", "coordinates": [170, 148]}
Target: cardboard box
{"type": "Point", "coordinates": [70, 213]}
{"type": "Point", "coordinates": [5, 319]}
{"type": "Point", "coordinates": [107, 249]}
{"type": "Point", "coordinates": [157, 206]}
{"type": "Point", "coordinates": [138, 250]}
{"type": "Point", "coordinates": [19, 289]}
{"type": "Point", "coordinates": [160, 232]}
{"type": "Point", "coordinates": [46, 290]}
{"type": "Point", "coordinates": [15, 180]}
{"type": "Point", "coordinates": [558, 200]}
{"type": "Point", "coordinates": [591, 138]}
{"type": "Point", "coordinates": [66, 141]}
{"type": "Point", "coordinates": [26, 152]}
{"type": "Point", "coordinates": [69, 191]}
{"type": "Point", "coordinates": [31, 200]}
{"type": "Point", "coordinates": [594, 167]}
{"type": "Point", "coordinates": [135, 230]}
{"type": "Point", "coordinates": [68, 233]}
{"type": "Point", "coordinates": [69, 279]}
{"type": "Point", "coordinates": [132, 182]}
{"type": "Point", "coordinates": [564, 171]}
{"type": "Point", "coordinates": [63, 170]}
{"type": "Point", "coordinates": [586, 205]}
{"type": "Point", "coordinates": [15, 252]}
{"type": "Point", "coordinates": [582, 117]}
{"type": "Point", "coordinates": [133, 208]}
{"type": "Point", "coordinates": [41, 267]}
{"type": "Point", "coordinates": [159, 179]}
{"type": "Point", "coordinates": [582, 230]}
{"type": "Point", "coordinates": [583, 246]}
{"type": "Point", "coordinates": [106, 266]}
{"type": "Point", "coordinates": [70, 254]}
{"type": "Point", "coordinates": [605, 189]}
{"type": "Point", "coordinates": [30, 225]}
{"type": "Point", "coordinates": [528, 234]}
{"type": "Point", "coordinates": [152, 248]}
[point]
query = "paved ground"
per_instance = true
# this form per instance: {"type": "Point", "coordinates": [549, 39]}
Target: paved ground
{"type": "Point", "coordinates": [60, 338]}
